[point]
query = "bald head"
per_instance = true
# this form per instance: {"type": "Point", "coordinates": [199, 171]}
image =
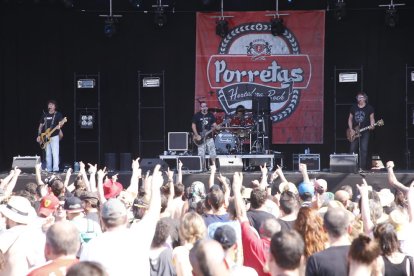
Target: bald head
{"type": "Point", "coordinates": [342, 196]}
{"type": "Point", "coordinates": [269, 227]}
{"type": "Point", "coordinates": [62, 239]}
{"type": "Point", "coordinates": [336, 222]}
{"type": "Point", "coordinates": [207, 258]}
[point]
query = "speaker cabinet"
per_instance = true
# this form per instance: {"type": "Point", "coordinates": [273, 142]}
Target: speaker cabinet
{"type": "Point", "coordinates": [344, 163]}
{"type": "Point", "coordinates": [191, 163]}
{"type": "Point", "coordinates": [148, 164]}
{"type": "Point", "coordinates": [230, 164]}
{"type": "Point", "coordinates": [26, 164]}
{"type": "Point", "coordinates": [178, 141]}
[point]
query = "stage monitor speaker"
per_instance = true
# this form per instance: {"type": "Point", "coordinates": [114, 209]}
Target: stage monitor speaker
{"type": "Point", "coordinates": [191, 163]}
{"type": "Point", "coordinates": [178, 141]}
{"type": "Point", "coordinates": [261, 105]}
{"type": "Point", "coordinates": [26, 164]}
{"type": "Point", "coordinates": [230, 164]}
{"type": "Point", "coordinates": [110, 161]}
{"type": "Point", "coordinates": [148, 164]}
{"type": "Point", "coordinates": [125, 161]}
{"type": "Point", "coordinates": [344, 163]}
{"type": "Point", "coordinates": [257, 162]}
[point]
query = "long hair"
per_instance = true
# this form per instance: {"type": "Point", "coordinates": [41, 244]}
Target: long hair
{"type": "Point", "coordinates": [310, 226]}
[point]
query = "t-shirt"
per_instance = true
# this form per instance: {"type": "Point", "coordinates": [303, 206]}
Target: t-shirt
{"type": "Point", "coordinates": [255, 249]}
{"type": "Point", "coordinates": [210, 218]}
{"type": "Point", "coordinates": [361, 115]}
{"type": "Point", "coordinates": [286, 225]}
{"type": "Point", "coordinates": [56, 267]}
{"type": "Point", "coordinates": [329, 262]}
{"type": "Point", "coordinates": [51, 121]}
{"type": "Point", "coordinates": [163, 264]}
{"type": "Point", "coordinates": [203, 122]}
{"type": "Point", "coordinates": [257, 217]}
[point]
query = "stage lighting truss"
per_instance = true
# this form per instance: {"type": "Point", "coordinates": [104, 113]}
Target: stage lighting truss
{"type": "Point", "coordinates": [339, 10]}
{"type": "Point", "coordinates": [222, 24]}
{"type": "Point", "coordinates": [391, 15]}
{"type": "Point", "coordinates": [277, 27]}
{"type": "Point", "coordinates": [86, 119]}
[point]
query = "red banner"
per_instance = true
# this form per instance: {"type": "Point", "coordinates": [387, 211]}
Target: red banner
{"type": "Point", "coordinates": [250, 62]}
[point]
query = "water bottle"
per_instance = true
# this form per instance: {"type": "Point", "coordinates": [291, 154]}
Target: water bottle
{"type": "Point", "coordinates": [76, 167]}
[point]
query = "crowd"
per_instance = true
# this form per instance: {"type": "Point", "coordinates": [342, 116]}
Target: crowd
{"type": "Point", "coordinates": [158, 226]}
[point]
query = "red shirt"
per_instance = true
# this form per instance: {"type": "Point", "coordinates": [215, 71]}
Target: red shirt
{"type": "Point", "coordinates": [56, 267]}
{"type": "Point", "coordinates": [255, 249]}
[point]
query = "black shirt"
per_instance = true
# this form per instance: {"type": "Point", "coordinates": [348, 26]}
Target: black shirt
{"type": "Point", "coordinates": [203, 122]}
{"type": "Point", "coordinates": [257, 217]}
{"type": "Point", "coordinates": [51, 121]}
{"type": "Point", "coordinates": [329, 262]}
{"type": "Point", "coordinates": [361, 115]}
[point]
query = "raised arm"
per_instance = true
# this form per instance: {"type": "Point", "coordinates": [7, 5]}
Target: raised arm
{"type": "Point", "coordinates": [38, 169]}
{"type": "Point", "coordinates": [304, 170]}
{"type": "Point", "coordinates": [238, 200]}
{"type": "Point", "coordinates": [179, 172]}
{"type": "Point", "coordinates": [154, 208]}
{"type": "Point", "coordinates": [279, 172]}
{"type": "Point", "coordinates": [8, 189]}
{"type": "Point", "coordinates": [71, 187]}
{"type": "Point", "coordinates": [263, 181]}
{"type": "Point", "coordinates": [136, 175]}
{"type": "Point", "coordinates": [101, 175]}
{"type": "Point", "coordinates": [365, 213]}
{"type": "Point", "coordinates": [92, 177]}
{"type": "Point", "coordinates": [82, 171]}
{"type": "Point", "coordinates": [410, 197]}
{"type": "Point", "coordinates": [226, 188]}
{"type": "Point", "coordinates": [392, 180]}
{"type": "Point", "coordinates": [212, 175]}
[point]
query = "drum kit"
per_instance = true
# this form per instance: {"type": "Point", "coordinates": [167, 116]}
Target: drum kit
{"type": "Point", "coordinates": [235, 137]}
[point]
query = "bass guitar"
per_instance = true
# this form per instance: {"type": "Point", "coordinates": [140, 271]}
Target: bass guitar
{"type": "Point", "coordinates": [358, 131]}
{"type": "Point", "coordinates": [205, 133]}
{"type": "Point", "coordinates": [45, 136]}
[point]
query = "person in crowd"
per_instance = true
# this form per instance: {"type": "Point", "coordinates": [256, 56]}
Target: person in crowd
{"type": "Point", "coordinates": [191, 230]}
{"type": "Point", "coordinates": [48, 121]}
{"type": "Point", "coordinates": [363, 255]}
{"type": "Point", "coordinates": [289, 205]}
{"type": "Point", "coordinates": [226, 236]}
{"type": "Point", "coordinates": [310, 226]}
{"type": "Point", "coordinates": [333, 260]}
{"type": "Point", "coordinates": [257, 213]}
{"type": "Point", "coordinates": [125, 241]}
{"type": "Point", "coordinates": [62, 244]}
{"type": "Point", "coordinates": [87, 269]}
{"type": "Point", "coordinates": [161, 253]}
{"type": "Point", "coordinates": [207, 258]}
{"type": "Point", "coordinates": [286, 253]}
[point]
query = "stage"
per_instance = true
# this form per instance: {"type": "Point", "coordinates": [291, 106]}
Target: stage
{"type": "Point", "coordinates": [335, 180]}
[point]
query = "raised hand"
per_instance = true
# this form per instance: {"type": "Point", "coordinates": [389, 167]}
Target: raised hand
{"type": "Point", "coordinates": [264, 169]}
{"type": "Point", "coordinates": [92, 168]}
{"type": "Point", "coordinates": [363, 188]}
{"type": "Point", "coordinates": [303, 167]}
{"type": "Point", "coordinates": [170, 174]}
{"type": "Point", "coordinates": [101, 173]}
{"type": "Point", "coordinates": [390, 165]}
{"type": "Point", "coordinates": [135, 165]}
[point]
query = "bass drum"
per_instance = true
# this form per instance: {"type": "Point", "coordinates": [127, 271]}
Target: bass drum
{"type": "Point", "coordinates": [226, 143]}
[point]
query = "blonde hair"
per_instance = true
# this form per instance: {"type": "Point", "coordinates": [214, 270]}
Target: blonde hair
{"type": "Point", "coordinates": [192, 228]}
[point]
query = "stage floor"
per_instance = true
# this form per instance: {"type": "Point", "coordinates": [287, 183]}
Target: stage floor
{"type": "Point", "coordinates": [378, 180]}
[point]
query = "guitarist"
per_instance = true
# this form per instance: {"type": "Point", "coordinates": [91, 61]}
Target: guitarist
{"type": "Point", "coordinates": [202, 122]}
{"type": "Point", "coordinates": [361, 115]}
{"type": "Point", "coordinates": [51, 120]}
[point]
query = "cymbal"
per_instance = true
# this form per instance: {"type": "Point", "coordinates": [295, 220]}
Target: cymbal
{"type": "Point", "coordinates": [215, 109]}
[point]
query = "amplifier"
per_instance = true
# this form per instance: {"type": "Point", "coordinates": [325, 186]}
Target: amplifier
{"type": "Point", "coordinates": [344, 162]}
{"type": "Point", "coordinates": [177, 141]}
{"type": "Point", "coordinates": [26, 164]}
{"type": "Point", "coordinates": [312, 161]}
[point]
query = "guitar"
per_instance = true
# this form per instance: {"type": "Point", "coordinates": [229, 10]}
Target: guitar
{"type": "Point", "coordinates": [205, 133]}
{"type": "Point", "coordinates": [358, 131]}
{"type": "Point", "coordinates": [45, 136]}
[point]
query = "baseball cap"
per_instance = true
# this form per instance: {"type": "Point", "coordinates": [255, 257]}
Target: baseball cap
{"type": "Point", "coordinates": [73, 204]}
{"type": "Point", "coordinates": [306, 188]}
{"type": "Point", "coordinates": [112, 189]}
{"type": "Point", "coordinates": [89, 195]}
{"type": "Point", "coordinates": [226, 236]}
{"type": "Point", "coordinates": [48, 204]}
{"type": "Point", "coordinates": [113, 209]}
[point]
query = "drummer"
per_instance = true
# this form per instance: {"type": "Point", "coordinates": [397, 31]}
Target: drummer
{"type": "Point", "coordinates": [240, 112]}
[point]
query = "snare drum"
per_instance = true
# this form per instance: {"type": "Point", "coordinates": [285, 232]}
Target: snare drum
{"type": "Point", "coordinates": [226, 142]}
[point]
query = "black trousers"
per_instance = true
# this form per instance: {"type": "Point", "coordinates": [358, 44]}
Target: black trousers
{"type": "Point", "coordinates": [363, 155]}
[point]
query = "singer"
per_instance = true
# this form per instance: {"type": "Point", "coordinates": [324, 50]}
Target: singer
{"type": "Point", "coordinates": [361, 115]}
{"type": "Point", "coordinates": [51, 120]}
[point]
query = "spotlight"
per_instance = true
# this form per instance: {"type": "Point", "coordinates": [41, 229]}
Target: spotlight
{"type": "Point", "coordinates": [339, 10]}
{"type": "Point", "coordinates": [277, 27]}
{"type": "Point", "coordinates": [222, 27]}
{"type": "Point", "coordinates": [160, 18]}
{"type": "Point", "coordinates": [87, 120]}
{"type": "Point", "coordinates": [136, 3]}
{"type": "Point", "coordinates": [110, 27]}
{"type": "Point", "coordinates": [391, 17]}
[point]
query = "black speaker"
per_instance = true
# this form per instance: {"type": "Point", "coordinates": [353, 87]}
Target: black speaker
{"type": "Point", "coordinates": [110, 161]}
{"type": "Point", "coordinates": [191, 163]}
{"type": "Point", "coordinates": [230, 164]}
{"type": "Point", "coordinates": [261, 105]}
{"type": "Point", "coordinates": [26, 164]}
{"type": "Point", "coordinates": [148, 164]}
{"type": "Point", "coordinates": [344, 163]}
{"type": "Point", "coordinates": [125, 161]}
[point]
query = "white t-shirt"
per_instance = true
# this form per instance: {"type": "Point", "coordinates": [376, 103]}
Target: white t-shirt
{"type": "Point", "coordinates": [122, 251]}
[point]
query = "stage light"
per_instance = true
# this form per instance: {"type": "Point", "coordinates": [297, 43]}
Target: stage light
{"type": "Point", "coordinates": [160, 18]}
{"type": "Point", "coordinates": [87, 120]}
{"type": "Point", "coordinates": [391, 17]}
{"type": "Point", "coordinates": [348, 77]}
{"type": "Point", "coordinates": [222, 27]}
{"type": "Point", "coordinates": [136, 3]}
{"type": "Point", "coordinates": [339, 10]}
{"type": "Point", "coordinates": [277, 27]}
{"type": "Point", "coordinates": [110, 27]}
